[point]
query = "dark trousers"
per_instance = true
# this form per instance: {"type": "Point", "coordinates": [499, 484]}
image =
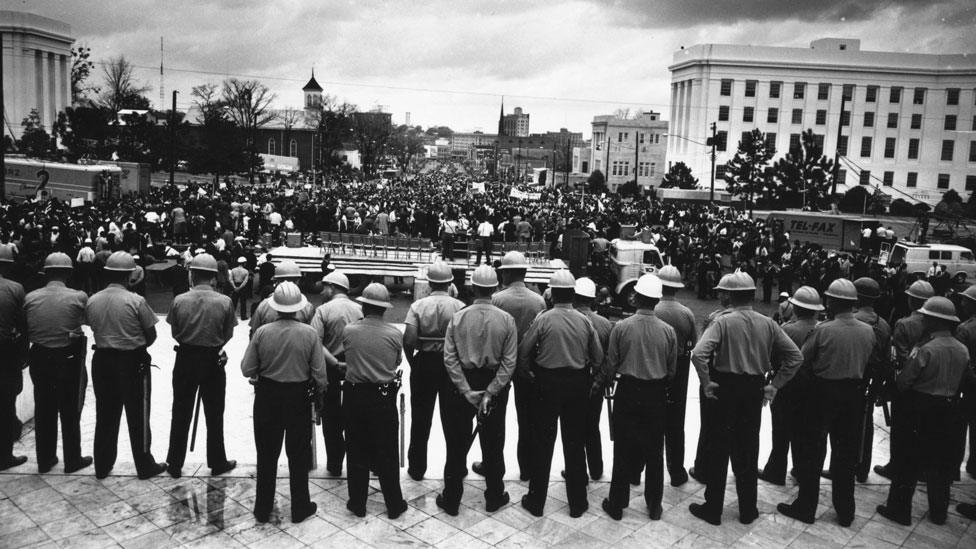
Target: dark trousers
{"type": "Point", "coordinates": [456, 416]}
{"type": "Point", "coordinates": [484, 245]}
{"type": "Point", "coordinates": [701, 450]}
{"type": "Point", "coordinates": [241, 298]}
{"type": "Point", "coordinates": [967, 422]}
{"type": "Point", "coordinates": [60, 380]}
{"type": "Point", "coordinates": [427, 378]}
{"type": "Point", "coordinates": [929, 424]}
{"type": "Point", "coordinates": [11, 384]}
{"type": "Point", "coordinates": [447, 246]}
{"type": "Point", "coordinates": [121, 382]}
{"type": "Point", "coordinates": [371, 440]}
{"type": "Point", "coordinates": [281, 411]}
{"type": "Point", "coordinates": [592, 441]}
{"type": "Point", "coordinates": [196, 368]}
{"type": "Point", "coordinates": [524, 390]}
{"type": "Point", "coordinates": [733, 434]}
{"type": "Point", "coordinates": [674, 420]}
{"type": "Point", "coordinates": [786, 411]}
{"type": "Point", "coordinates": [639, 423]}
{"type": "Point", "coordinates": [332, 422]}
{"type": "Point", "coordinates": [560, 392]}
{"type": "Point", "coordinates": [834, 409]}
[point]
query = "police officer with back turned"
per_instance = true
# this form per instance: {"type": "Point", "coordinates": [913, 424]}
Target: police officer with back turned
{"type": "Point", "coordinates": [12, 328]}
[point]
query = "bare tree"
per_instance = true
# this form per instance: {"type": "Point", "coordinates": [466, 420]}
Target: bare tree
{"type": "Point", "coordinates": [81, 68]}
{"type": "Point", "coordinates": [623, 113]}
{"type": "Point", "coordinates": [248, 105]}
{"type": "Point", "coordinates": [207, 98]}
{"type": "Point", "coordinates": [290, 117]}
{"type": "Point", "coordinates": [121, 90]}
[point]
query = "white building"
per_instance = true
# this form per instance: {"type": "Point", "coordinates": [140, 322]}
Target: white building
{"type": "Point", "coordinates": [625, 148]}
{"type": "Point", "coordinates": [911, 116]}
{"type": "Point", "coordinates": [36, 68]}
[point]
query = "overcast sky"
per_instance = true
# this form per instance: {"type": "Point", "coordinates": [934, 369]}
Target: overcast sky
{"type": "Point", "coordinates": [448, 62]}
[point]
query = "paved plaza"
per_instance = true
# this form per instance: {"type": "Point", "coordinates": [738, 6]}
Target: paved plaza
{"type": "Point", "coordinates": [57, 510]}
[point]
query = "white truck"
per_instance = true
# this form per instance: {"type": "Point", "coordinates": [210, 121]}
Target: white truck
{"type": "Point", "coordinates": [629, 259]}
{"type": "Point", "coordinates": [919, 258]}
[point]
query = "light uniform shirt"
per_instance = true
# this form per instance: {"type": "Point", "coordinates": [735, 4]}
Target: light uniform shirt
{"type": "Point", "coordinates": [430, 316]}
{"type": "Point", "coordinates": [85, 255]}
{"type": "Point", "coordinates": [119, 318]}
{"type": "Point", "coordinates": [561, 337]}
{"type": "Point", "coordinates": [908, 333]}
{"type": "Point", "coordinates": [936, 368]}
{"type": "Point", "coordinates": [481, 336]}
{"type": "Point", "coordinates": [238, 276]}
{"type": "Point", "coordinates": [331, 318]}
{"type": "Point", "coordinates": [202, 317]}
{"type": "Point", "coordinates": [264, 314]}
{"type": "Point", "coordinates": [374, 349]}
{"type": "Point", "coordinates": [11, 309]}
{"type": "Point", "coordinates": [642, 346]}
{"type": "Point", "coordinates": [839, 348]}
{"type": "Point", "coordinates": [520, 302]}
{"type": "Point", "coordinates": [682, 320]}
{"type": "Point", "coordinates": [882, 332]}
{"type": "Point", "coordinates": [55, 314]}
{"type": "Point", "coordinates": [602, 327]}
{"type": "Point", "coordinates": [485, 229]}
{"type": "Point", "coordinates": [743, 341]}
{"type": "Point", "coordinates": [285, 351]}
{"type": "Point", "coordinates": [798, 329]}
{"type": "Point", "coordinates": [966, 333]}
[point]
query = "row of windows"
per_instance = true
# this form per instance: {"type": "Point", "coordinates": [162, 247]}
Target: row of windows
{"type": "Point", "coordinates": [646, 169]}
{"type": "Point", "coordinates": [911, 180]}
{"type": "Point", "coordinates": [950, 122]}
{"type": "Point", "coordinates": [620, 167]}
{"type": "Point", "coordinates": [823, 92]}
{"type": "Point", "coordinates": [653, 138]}
{"type": "Point", "coordinates": [292, 147]}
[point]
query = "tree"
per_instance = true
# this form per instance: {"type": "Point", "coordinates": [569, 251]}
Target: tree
{"type": "Point", "coordinates": [34, 141]}
{"type": "Point", "coordinates": [372, 131]}
{"type": "Point", "coordinates": [679, 177]}
{"type": "Point", "coordinates": [861, 200]}
{"type": "Point", "coordinates": [81, 67]}
{"type": "Point", "coordinates": [623, 113]}
{"type": "Point", "coordinates": [596, 183]}
{"type": "Point", "coordinates": [805, 175]}
{"type": "Point", "coordinates": [333, 121]}
{"type": "Point", "coordinates": [902, 207]}
{"type": "Point", "coordinates": [86, 130]}
{"type": "Point", "coordinates": [248, 105]}
{"type": "Point", "coordinates": [218, 147]}
{"type": "Point", "coordinates": [951, 205]}
{"type": "Point", "coordinates": [746, 174]}
{"type": "Point", "coordinates": [629, 188]}
{"type": "Point", "coordinates": [405, 144]}
{"type": "Point", "coordinates": [122, 91]}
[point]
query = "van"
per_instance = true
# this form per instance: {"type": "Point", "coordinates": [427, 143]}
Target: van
{"type": "Point", "coordinates": [919, 258]}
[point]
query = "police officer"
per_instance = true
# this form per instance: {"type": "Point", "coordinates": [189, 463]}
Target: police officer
{"type": "Point", "coordinates": [289, 362]}
{"type": "Point", "coordinates": [786, 410]}
{"type": "Point", "coordinates": [643, 350]}
{"type": "Point", "coordinates": [966, 333]}
{"type": "Point", "coordinates": [240, 281]}
{"type": "Point", "coordinates": [929, 383]}
{"type": "Point", "coordinates": [878, 369]}
{"type": "Point", "coordinates": [12, 329]}
{"type": "Point", "coordinates": [55, 314]}
{"type": "Point", "coordinates": [373, 353]}
{"type": "Point", "coordinates": [836, 355]}
{"type": "Point", "coordinates": [523, 304]}
{"type": "Point", "coordinates": [124, 327]}
{"type": "Point", "coordinates": [329, 320]}
{"type": "Point", "coordinates": [423, 344]}
{"type": "Point", "coordinates": [906, 334]}
{"type": "Point", "coordinates": [202, 323]}
{"type": "Point", "coordinates": [583, 302]}
{"type": "Point", "coordinates": [559, 345]}
{"type": "Point", "coordinates": [741, 343]}
{"type": "Point", "coordinates": [682, 320]}
{"type": "Point", "coordinates": [286, 271]}
{"type": "Point", "coordinates": [480, 353]}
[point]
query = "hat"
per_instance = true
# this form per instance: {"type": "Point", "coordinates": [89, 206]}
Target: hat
{"type": "Point", "coordinates": [484, 276]}
{"type": "Point", "coordinates": [585, 287]}
{"type": "Point", "coordinates": [242, 259]}
{"type": "Point", "coordinates": [842, 288]}
{"type": "Point", "coordinates": [6, 253]}
{"type": "Point", "coordinates": [287, 269]}
{"type": "Point", "coordinates": [57, 260]}
{"type": "Point", "coordinates": [807, 297]}
{"type": "Point", "coordinates": [514, 260]}
{"type": "Point", "coordinates": [784, 295]}
{"type": "Point", "coordinates": [737, 281]}
{"type": "Point", "coordinates": [120, 262]}
{"type": "Point", "coordinates": [204, 262]}
{"type": "Point", "coordinates": [939, 307]}
{"type": "Point", "coordinates": [562, 279]}
{"type": "Point", "coordinates": [376, 294]}
{"type": "Point", "coordinates": [670, 276]}
{"type": "Point", "coordinates": [336, 278]}
{"type": "Point", "coordinates": [970, 293]}
{"type": "Point", "coordinates": [287, 298]}
{"type": "Point", "coordinates": [439, 272]}
{"type": "Point", "coordinates": [867, 287]}
{"type": "Point", "coordinates": [920, 289]}
{"type": "Point", "coordinates": [649, 285]}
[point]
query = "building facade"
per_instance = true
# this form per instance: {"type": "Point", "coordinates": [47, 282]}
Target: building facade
{"type": "Point", "coordinates": [907, 118]}
{"type": "Point", "coordinates": [516, 124]}
{"type": "Point", "coordinates": [625, 148]}
{"type": "Point", "coordinates": [36, 68]}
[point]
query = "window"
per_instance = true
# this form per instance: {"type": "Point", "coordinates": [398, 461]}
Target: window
{"type": "Point", "coordinates": [746, 137]}
{"type": "Point", "coordinates": [947, 149]}
{"type": "Point", "coordinates": [895, 95]}
{"type": "Point", "coordinates": [842, 146]}
{"type": "Point", "coordinates": [871, 95]}
{"type": "Point", "coordinates": [869, 120]}
{"type": "Point", "coordinates": [972, 151]}
{"type": "Point", "coordinates": [722, 139]}
{"type": "Point", "coordinates": [293, 148]}
{"type": "Point", "coordinates": [622, 136]}
{"type": "Point", "coordinates": [848, 93]}
{"type": "Point", "coordinates": [823, 91]}
{"type": "Point", "coordinates": [864, 178]}
{"type": "Point", "coordinates": [841, 176]}
{"type": "Point", "coordinates": [974, 122]}
{"type": "Point", "coordinates": [845, 118]}
{"type": "Point", "coordinates": [797, 117]}
{"type": "Point", "coordinates": [918, 98]}
{"type": "Point", "coordinates": [821, 117]}
{"type": "Point", "coordinates": [747, 114]}
{"type": "Point", "coordinates": [751, 88]}
{"type": "Point", "coordinates": [726, 89]}
{"type": "Point", "coordinates": [889, 151]}
{"type": "Point", "coordinates": [640, 138]}
{"type": "Point", "coordinates": [971, 182]}
{"type": "Point", "coordinates": [912, 180]}
{"type": "Point", "coordinates": [889, 179]}
{"type": "Point", "coordinates": [720, 171]}
{"type": "Point", "coordinates": [943, 181]}
{"type": "Point", "coordinates": [799, 88]}
{"type": "Point", "coordinates": [771, 141]}
{"type": "Point", "coordinates": [794, 142]}
{"type": "Point", "coordinates": [865, 147]}
{"type": "Point", "coordinates": [950, 122]}
{"type": "Point", "coordinates": [913, 149]}
{"type": "Point", "coordinates": [774, 88]}
{"type": "Point", "coordinates": [626, 166]}
{"type": "Point", "coordinates": [271, 146]}
{"type": "Point", "coordinates": [644, 169]}
{"type": "Point", "coordinates": [818, 143]}
{"type": "Point", "coordinates": [952, 96]}
{"type": "Point", "coordinates": [892, 120]}
{"type": "Point", "coordinates": [916, 121]}
{"type": "Point", "coordinates": [772, 115]}
{"type": "Point", "coordinates": [584, 166]}
{"type": "Point", "coordinates": [657, 138]}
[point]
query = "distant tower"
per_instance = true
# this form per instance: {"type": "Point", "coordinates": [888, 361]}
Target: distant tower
{"type": "Point", "coordinates": [313, 94]}
{"type": "Point", "coordinates": [501, 119]}
{"type": "Point", "coordinates": [407, 122]}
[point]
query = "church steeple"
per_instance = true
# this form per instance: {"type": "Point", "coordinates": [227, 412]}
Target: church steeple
{"type": "Point", "coordinates": [313, 93]}
{"type": "Point", "coordinates": [501, 118]}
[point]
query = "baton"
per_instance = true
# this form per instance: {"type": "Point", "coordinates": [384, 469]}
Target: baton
{"type": "Point", "coordinates": [478, 425]}
{"type": "Point", "coordinates": [145, 410]}
{"type": "Point", "coordinates": [196, 419]}
{"type": "Point", "coordinates": [315, 450]}
{"type": "Point", "coordinates": [403, 412]}
{"type": "Point", "coordinates": [608, 395]}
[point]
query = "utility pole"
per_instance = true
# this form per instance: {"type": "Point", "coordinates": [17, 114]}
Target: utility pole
{"type": "Point", "coordinates": [840, 126]}
{"type": "Point", "coordinates": [606, 168]}
{"type": "Point", "coordinates": [172, 141]}
{"type": "Point", "coordinates": [636, 155]}
{"type": "Point", "coordinates": [712, 142]}
{"type": "Point", "coordinates": [3, 140]}
{"type": "Point", "coordinates": [568, 162]}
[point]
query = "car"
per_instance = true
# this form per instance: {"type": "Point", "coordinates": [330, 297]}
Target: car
{"type": "Point", "coordinates": [959, 260]}
{"type": "Point", "coordinates": [629, 259]}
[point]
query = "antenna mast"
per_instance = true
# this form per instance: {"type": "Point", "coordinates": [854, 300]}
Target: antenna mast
{"type": "Point", "coordinates": [162, 90]}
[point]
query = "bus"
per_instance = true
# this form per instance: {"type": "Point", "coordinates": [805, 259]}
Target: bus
{"type": "Point", "coordinates": [29, 179]}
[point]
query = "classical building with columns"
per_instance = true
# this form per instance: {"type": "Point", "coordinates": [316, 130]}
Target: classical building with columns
{"type": "Point", "coordinates": [36, 68]}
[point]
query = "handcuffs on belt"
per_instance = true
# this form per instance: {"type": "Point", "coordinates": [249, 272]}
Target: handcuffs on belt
{"type": "Point", "coordinates": [394, 384]}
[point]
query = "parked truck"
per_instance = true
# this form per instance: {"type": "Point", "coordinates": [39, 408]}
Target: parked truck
{"type": "Point", "coordinates": [28, 179]}
{"type": "Point", "coordinates": [831, 232]}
